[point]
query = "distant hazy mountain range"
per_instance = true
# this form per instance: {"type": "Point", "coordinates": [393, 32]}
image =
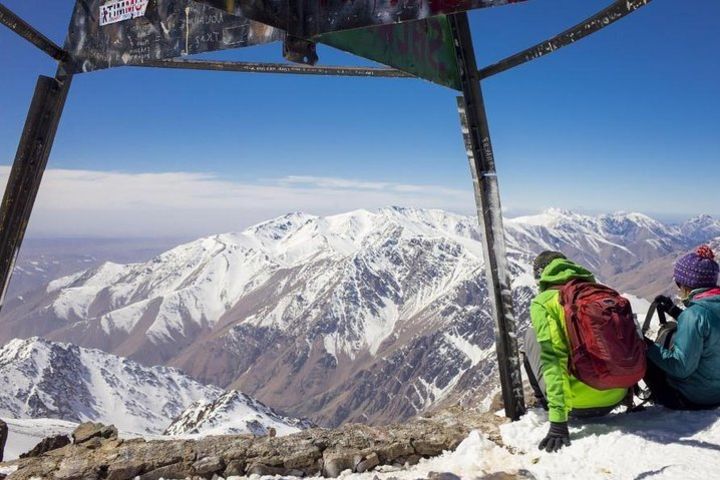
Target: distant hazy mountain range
{"type": "Point", "coordinates": [365, 316]}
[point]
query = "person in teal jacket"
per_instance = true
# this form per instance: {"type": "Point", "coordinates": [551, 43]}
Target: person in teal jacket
{"type": "Point", "coordinates": [547, 350]}
{"type": "Point", "coordinates": [687, 375]}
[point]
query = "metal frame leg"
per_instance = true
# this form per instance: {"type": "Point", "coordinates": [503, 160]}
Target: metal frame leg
{"type": "Point", "coordinates": [28, 168]}
{"type": "Point", "coordinates": [482, 165]}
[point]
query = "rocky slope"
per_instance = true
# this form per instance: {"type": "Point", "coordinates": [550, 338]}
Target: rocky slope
{"type": "Point", "coordinates": [365, 316]}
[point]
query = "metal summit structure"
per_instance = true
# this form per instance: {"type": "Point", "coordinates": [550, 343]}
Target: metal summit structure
{"type": "Point", "coordinates": [427, 39]}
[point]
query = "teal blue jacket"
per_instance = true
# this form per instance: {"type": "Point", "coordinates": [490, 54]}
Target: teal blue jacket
{"type": "Point", "coordinates": [693, 363]}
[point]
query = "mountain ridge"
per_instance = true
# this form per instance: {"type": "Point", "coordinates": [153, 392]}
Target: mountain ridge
{"type": "Point", "coordinates": [320, 316]}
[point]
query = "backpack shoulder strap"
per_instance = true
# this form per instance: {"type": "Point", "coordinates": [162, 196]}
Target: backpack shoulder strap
{"type": "Point", "coordinates": [650, 314]}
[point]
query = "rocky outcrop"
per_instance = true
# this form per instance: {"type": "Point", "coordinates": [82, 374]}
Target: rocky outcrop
{"type": "Point", "coordinates": [99, 454]}
{"type": "Point", "coordinates": [90, 430]}
{"type": "Point", "coordinates": [46, 445]}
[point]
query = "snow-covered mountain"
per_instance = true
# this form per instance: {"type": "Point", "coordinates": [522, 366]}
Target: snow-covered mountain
{"type": "Point", "coordinates": [45, 380]}
{"type": "Point", "coordinates": [42, 379]}
{"type": "Point", "coordinates": [365, 316]}
{"type": "Point", "coordinates": [609, 244]}
{"type": "Point", "coordinates": [42, 260]}
{"type": "Point", "coordinates": [233, 413]}
{"type": "Point", "coordinates": [701, 228]}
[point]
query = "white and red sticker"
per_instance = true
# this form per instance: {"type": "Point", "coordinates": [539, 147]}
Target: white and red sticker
{"type": "Point", "coordinates": [121, 10]}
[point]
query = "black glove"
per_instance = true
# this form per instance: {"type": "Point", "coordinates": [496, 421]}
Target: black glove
{"type": "Point", "coordinates": [663, 302]}
{"type": "Point", "coordinates": [557, 437]}
{"type": "Point", "coordinates": [668, 306]}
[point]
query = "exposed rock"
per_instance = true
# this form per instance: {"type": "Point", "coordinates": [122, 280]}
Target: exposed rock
{"type": "Point", "coordinates": [209, 465]}
{"type": "Point", "coordinates": [394, 451]}
{"type": "Point", "coordinates": [413, 460]}
{"type": "Point", "coordinates": [358, 448]}
{"type": "Point", "coordinates": [370, 462]}
{"type": "Point", "coordinates": [334, 463]}
{"type": "Point", "coordinates": [442, 476]}
{"type": "Point", "coordinates": [88, 430]}
{"type": "Point", "coordinates": [46, 445]}
{"type": "Point", "coordinates": [174, 471]}
{"type": "Point", "coordinates": [260, 469]}
{"type": "Point", "coordinates": [235, 468]}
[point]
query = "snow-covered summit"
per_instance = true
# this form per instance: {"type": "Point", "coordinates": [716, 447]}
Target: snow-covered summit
{"type": "Point", "coordinates": [233, 413]}
{"type": "Point", "coordinates": [701, 228]}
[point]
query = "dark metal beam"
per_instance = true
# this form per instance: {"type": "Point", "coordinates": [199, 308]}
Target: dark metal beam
{"type": "Point", "coordinates": [608, 16]}
{"type": "Point", "coordinates": [476, 133]}
{"type": "Point", "coordinates": [308, 18]}
{"type": "Point", "coordinates": [29, 33]}
{"type": "Point", "coordinates": [28, 168]}
{"type": "Point", "coordinates": [283, 68]}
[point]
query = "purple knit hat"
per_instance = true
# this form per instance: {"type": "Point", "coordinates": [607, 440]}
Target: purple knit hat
{"type": "Point", "coordinates": [698, 269]}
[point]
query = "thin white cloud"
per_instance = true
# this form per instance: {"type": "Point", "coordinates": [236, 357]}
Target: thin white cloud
{"type": "Point", "coordinates": [97, 203]}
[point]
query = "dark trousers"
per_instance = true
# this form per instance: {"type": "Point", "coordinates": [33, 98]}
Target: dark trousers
{"type": "Point", "coordinates": [662, 393]}
{"type": "Point", "coordinates": [533, 368]}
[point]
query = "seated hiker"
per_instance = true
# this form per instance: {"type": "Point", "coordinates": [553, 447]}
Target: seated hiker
{"type": "Point", "coordinates": [686, 376]}
{"type": "Point", "coordinates": [548, 346]}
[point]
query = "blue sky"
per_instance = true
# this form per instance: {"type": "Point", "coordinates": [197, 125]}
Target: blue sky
{"type": "Point", "coordinates": [627, 119]}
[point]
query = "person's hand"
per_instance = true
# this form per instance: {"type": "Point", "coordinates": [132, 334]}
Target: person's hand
{"type": "Point", "coordinates": [664, 302]}
{"type": "Point", "coordinates": [668, 306]}
{"type": "Point", "coordinates": [558, 436]}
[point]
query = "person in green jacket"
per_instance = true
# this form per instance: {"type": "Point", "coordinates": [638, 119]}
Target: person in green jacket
{"type": "Point", "coordinates": [547, 354]}
{"type": "Point", "coordinates": [687, 375]}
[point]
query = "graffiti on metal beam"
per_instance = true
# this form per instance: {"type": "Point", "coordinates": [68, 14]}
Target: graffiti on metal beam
{"type": "Point", "coordinates": [169, 29]}
{"type": "Point", "coordinates": [325, 16]}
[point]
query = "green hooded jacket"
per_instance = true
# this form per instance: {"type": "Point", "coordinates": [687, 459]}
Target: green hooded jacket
{"type": "Point", "coordinates": [564, 391]}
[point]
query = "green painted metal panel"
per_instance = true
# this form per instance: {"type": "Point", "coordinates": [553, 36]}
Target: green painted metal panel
{"type": "Point", "coordinates": [423, 48]}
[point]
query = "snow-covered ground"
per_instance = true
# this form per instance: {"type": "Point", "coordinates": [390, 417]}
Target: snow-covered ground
{"type": "Point", "coordinates": [656, 443]}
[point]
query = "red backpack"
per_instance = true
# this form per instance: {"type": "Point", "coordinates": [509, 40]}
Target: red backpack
{"type": "Point", "coordinates": [606, 349]}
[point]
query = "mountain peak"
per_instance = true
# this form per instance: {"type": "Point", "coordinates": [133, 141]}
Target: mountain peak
{"type": "Point", "coordinates": [701, 229]}
{"type": "Point", "coordinates": [233, 413]}
{"type": "Point", "coordinates": [282, 226]}
{"type": "Point", "coordinates": [559, 212]}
